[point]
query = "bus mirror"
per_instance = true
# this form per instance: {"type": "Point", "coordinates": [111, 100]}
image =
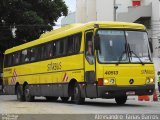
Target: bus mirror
{"type": "Point", "coordinates": [97, 42]}
{"type": "Point", "coordinates": [150, 45]}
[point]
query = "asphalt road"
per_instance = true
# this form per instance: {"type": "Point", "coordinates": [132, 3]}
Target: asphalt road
{"type": "Point", "coordinates": [41, 109]}
{"type": "Point", "coordinates": [9, 104]}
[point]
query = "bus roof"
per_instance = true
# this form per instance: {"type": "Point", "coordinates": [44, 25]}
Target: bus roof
{"type": "Point", "coordinates": [74, 28]}
{"type": "Point", "coordinates": [53, 32]}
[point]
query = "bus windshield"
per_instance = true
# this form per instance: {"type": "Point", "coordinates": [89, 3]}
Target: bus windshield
{"type": "Point", "coordinates": [123, 46]}
{"type": "Point", "coordinates": [138, 42]}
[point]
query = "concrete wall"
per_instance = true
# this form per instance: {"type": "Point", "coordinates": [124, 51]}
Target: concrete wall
{"type": "Point", "coordinates": [105, 10]}
{"type": "Point", "coordinates": [68, 19]}
{"type": "Point", "coordinates": [135, 13]}
{"type": "Point", "coordinates": [91, 10]}
{"type": "Point", "coordinates": [146, 2]}
{"type": "Point", "coordinates": [123, 5]}
{"type": "Point", "coordinates": [94, 10]}
{"type": "Point", "coordinates": [80, 11]}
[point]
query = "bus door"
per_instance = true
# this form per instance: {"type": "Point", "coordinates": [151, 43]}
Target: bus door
{"type": "Point", "coordinates": [90, 76]}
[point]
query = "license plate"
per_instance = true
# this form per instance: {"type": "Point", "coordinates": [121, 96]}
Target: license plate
{"type": "Point", "coordinates": [130, 93]}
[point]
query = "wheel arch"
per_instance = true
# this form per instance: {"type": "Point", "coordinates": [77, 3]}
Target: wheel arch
{"type": "Point", "coordinates": [24, 84]}
{"type": "Point", "coordinates": [17, 84]}
{"type": "Point", "coordinates": [71, 86]}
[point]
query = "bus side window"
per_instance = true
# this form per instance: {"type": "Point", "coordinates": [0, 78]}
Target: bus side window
{"type": "Point", "coordinates": [54, 49]}
{"type": "Point", "coordinates": [57, 48]}
{"type": "Point", "coordinates": [60, 47]}
{"type": "Point", "coordinates": [16, 58]}
{"type": "Point", "coordinates": [49, 50]}
{"type": "Point", "coordinates": [77, 42]}
{"type": "Point", "coordinates": [10, 60]}
{"type": "Point", "coordinates": [6, 59]}
{"type": "Point", "coordinates": [42, 49]}
{"type": "Point", "coordinates": [34, 53]}
{"type": "Point", "coordinates": [65, 45]}
{"type": "Point", "coordinates": [70, 45]}
{"type": "Point", "coordinates": [46, 51]}
{"type": "Point", "coordinates": [25, 56]}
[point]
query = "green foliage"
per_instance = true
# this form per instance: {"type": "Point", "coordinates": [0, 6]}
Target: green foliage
{"type": "Point", "coordinates": [31, 18]}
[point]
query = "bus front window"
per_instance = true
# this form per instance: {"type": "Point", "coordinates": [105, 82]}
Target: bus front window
{"type": "Point", "coordinates": [112, 46]}
{"type": "Point", "coordinates": [139, 46]}
{"type": "Point", "coordinates": [117, 46]}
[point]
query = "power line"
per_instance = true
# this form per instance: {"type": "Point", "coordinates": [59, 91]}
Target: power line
{"type": "Point", "coordinates": [22, 25]}
{"type": "Point", "coordinates": [53, 25]}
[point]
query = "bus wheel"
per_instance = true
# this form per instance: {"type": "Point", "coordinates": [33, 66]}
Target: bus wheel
{"type": "Point", "coordinates": [77, 95]}
{"type": "Point", "coordinates": [27, 94]}
{"type": "Point", "coordinates": [121, 100]}
{"type": "Point", "coordinates": [20, 96]}
{"type": "Point", "coordinates": [64, 99]}
{"type": "Point", "coordinates": [49, 98]}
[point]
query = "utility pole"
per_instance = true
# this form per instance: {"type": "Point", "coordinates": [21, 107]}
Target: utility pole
{"type": "Point", "coordinates": [115, 10]}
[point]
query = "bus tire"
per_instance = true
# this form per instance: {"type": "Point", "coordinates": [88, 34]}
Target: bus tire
{"type": "Point", "coordinates": [27, 94]}
{"type": "Point", "coordinates": [64, 99]}
{"type": "Point", "coordinates": [49, 98]}
{"type": "Point", "coordinates": [121, 100]}
{"type": "Point", "coordinates": [77, 95]}
{"type": "Point", "coordinates": [19, 93]}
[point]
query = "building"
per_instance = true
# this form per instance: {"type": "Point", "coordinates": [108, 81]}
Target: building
{"type": "Point", "coordinates": [91, 10]}
{"type": "Point", "coordinates": [69, 19]}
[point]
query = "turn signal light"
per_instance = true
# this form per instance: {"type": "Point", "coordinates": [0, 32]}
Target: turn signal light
{"type": "Point", "coordinates": [100, 81]}
{"type": "Point", "coordinates": [112, 81]}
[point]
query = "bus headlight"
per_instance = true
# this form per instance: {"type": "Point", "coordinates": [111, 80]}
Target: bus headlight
{"type": "Point", "coordinates": [109, 81]}
{"type": "Point", "coordinates": [105, 81]}
{"type": "Point", "coordinates": [149, 80]}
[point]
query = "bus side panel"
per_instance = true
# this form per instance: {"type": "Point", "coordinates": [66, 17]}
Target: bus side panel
{"type": "Point", "coordinates": [50, 77]}
{"type": "Point", "coordinates": [9, 90]}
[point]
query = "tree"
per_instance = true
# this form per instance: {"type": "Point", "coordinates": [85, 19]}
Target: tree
{"type": "Point", "coordinates": [30, 18]}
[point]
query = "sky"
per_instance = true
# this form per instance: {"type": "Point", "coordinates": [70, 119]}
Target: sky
{"type": "Point", "coordinates": [71, 8]}
{"type": "Point", "coordinates": [71, 5]}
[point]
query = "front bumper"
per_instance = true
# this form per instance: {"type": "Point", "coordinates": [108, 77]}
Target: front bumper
{"type": "Point", "coordinates": [115, 91]}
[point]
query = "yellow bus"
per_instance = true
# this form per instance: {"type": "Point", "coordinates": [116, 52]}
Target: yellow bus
{"type": "Point", "coordinates": [78, 61]}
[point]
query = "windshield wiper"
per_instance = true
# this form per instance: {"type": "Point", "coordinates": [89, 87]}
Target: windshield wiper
{"type": "Point", "coordinates": [128, 50]}
{"type": "Point", "coordinates": [132, 52]}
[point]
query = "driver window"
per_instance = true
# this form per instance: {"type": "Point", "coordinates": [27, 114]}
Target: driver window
{"type": "Point", "coordinates": [89, 48]}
